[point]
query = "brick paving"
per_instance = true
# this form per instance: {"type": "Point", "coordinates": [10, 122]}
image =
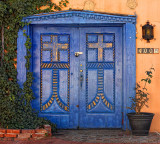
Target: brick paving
{"type": "Point", "coordinates": [92, 136]}
{"type": "Point", "coordinates": [106, 136]}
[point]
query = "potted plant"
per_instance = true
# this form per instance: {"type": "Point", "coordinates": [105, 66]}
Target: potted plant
{"type": "Point", "coordinates": [140, 121]}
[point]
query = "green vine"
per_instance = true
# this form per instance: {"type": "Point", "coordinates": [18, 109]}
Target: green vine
{"type": "Point", "coordinates": [15, 102]}
{"type": "Point", "coordinates": [27, 91]}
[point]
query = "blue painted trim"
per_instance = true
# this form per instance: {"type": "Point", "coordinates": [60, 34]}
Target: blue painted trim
{"type": "Point", "coordinates": [82, 14]}
{"type": "Point", "coordinates": [21, 53]}
{"type": "Point", "coordinates": [129, 68]}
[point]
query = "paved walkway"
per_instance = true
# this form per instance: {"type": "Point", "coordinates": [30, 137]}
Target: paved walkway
{"type": "Point", "coordinates": [92, 136]}
{"type": "Point", "coordinates": [106, 136]}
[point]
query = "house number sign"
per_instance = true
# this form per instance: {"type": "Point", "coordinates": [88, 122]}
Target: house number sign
{"type": "Point", "coordinates": [148, 51]}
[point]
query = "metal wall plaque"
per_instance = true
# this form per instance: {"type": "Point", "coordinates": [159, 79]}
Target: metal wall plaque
{"type": "Point", "coordinates": [148, 50]}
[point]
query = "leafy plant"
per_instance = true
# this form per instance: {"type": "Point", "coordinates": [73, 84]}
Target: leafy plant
{"type": "Point", "coordinates": [15, 102]}
{"type": "Point", "coordinates": [141, 98]}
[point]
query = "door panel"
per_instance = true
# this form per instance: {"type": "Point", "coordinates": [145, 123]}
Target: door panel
{"type": "Point", "coordinates": [56, 74]}
{"type": "Point", "coordinates": [101, 94]}
{"type": "Point", "coordinates": [55, 70]}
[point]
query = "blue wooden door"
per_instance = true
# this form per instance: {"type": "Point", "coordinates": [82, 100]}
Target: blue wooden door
{"type": "Point", "coordinates": [100, 99]}
{"type": "Point", "coordinates": [55, 71]}
{"type": "Point", "coordinates": [83, 91]}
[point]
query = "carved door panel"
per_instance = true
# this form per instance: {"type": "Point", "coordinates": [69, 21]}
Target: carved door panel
{"type": "Point", "coordinates": [55, 71]}
{"type": "Point", "coordinates": [100, 99]}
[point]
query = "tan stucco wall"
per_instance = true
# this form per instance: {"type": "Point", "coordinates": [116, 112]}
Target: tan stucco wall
{"type": "Point", "coordinates": [145, 10]}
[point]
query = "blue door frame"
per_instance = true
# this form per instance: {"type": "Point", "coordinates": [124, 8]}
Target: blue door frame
{"type": "Point", "coordinates": [81, 18]}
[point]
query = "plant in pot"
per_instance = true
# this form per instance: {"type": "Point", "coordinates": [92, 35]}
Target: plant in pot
{"type": "Point", "coordinates": [140, 121]}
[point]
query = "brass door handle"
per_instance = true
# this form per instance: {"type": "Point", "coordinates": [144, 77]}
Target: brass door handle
{"type": "Point", "coordinates": [78, 53]}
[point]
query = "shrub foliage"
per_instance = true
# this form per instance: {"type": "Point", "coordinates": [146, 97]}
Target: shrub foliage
{"type": "Point", "coordinates": [15, 102]}
{"type": "Point", "coordinates": [141, 98]}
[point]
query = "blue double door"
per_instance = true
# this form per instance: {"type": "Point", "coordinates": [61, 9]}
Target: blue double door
{"type": "Point", "coordinates": [78, 75]}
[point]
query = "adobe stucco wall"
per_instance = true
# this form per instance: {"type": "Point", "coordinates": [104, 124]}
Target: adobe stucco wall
{"type": "Point", "coordinates": [145, 10]}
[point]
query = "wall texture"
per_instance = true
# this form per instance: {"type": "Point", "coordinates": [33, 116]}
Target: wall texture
{"type": "Point", "coordinates": [145, 10]}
